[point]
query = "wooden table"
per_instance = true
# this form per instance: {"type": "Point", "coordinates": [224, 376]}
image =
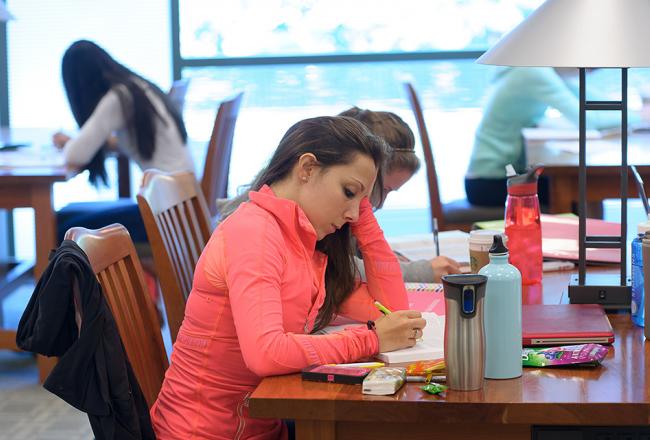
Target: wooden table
{"type": "Point", "coordinates": [26, 179]}
{"type": "Point", "coordinates": [560, 159]}
{"type": "Point", "coordinates": [617, 393]}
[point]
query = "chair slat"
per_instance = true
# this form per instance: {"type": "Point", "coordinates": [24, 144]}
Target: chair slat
{"type": "Point", "coordinates": [173, 246]}
{"type": "Point", "coordinates": [185, 269]}
{"type": "Point", "coordinates": [191, 230]}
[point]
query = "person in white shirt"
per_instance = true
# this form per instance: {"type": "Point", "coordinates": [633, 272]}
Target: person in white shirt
{"type": "Point", "coordinates": [107, 98]}
{"type": "Point", "coordinates": [115, 109]}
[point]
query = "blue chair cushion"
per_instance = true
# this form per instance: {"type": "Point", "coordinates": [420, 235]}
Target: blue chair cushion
{"type": "Point", "coordinates": [95, 215]}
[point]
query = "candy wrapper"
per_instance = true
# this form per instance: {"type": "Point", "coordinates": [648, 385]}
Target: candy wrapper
{"type": "Point", "coordinates": [426, 368]}
{"type": "Point", "coordinates": [434, 388]}
{"type": "Point", "coordinates": [584, 355]}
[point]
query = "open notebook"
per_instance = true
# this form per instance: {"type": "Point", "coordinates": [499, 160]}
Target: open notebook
{"type": "Point", "coordinates": [430, 347]}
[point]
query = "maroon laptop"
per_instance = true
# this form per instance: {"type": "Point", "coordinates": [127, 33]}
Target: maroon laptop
{"type": "Point", "coordinates": [565, 324]}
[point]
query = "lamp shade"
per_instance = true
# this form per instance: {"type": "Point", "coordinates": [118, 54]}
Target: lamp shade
{"type": "Point", "coordinates": [578, 33]}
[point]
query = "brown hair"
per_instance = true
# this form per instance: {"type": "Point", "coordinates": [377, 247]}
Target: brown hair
{"type": "Point", "coordinates": [334, 140]}
{"type": "Point", "coordinates": [397, 134]}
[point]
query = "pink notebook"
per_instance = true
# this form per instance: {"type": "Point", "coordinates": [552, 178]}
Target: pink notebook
{"type": "Point", "coordinates": [426, 297]}
{"type": "Point", "coordinates": [560, 238]}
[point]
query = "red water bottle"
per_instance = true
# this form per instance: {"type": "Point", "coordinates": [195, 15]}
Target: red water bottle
{"type": "Point", "coordinates": [523, 226]}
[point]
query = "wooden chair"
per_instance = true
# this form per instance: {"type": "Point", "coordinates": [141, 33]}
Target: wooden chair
{"type": "Point", "coordinates": [177, 93]}
{"type": "Point", "coordinates": [113, 258]}
{"type": "Point", "coordinates": [458, 214]}
{"type": "Point", "coordinates": [214, 182]}
{"type": "Point", "coordinates": [176, 218]}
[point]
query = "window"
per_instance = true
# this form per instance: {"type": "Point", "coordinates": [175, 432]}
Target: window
{"type": "Point", "coordinates": [135, 33]}
{"type": "Point", "coordinates": [296, 59]}
{"type": "Point", "coordinates": [222, 29]}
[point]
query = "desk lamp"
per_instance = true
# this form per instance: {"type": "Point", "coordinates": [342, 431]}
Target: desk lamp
{"type": "Point", "coordinates": [586, 34]}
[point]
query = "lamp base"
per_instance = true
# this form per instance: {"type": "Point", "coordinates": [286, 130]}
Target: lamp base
{"type": "Point", "coordinates": [603, 289]}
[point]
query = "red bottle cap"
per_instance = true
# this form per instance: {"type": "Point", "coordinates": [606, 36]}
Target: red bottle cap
{"type": "Point", "coordinates": [525, 184]}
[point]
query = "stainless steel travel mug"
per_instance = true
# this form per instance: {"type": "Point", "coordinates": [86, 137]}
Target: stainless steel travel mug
{"type": "Point", "coordinates": [464, 331]}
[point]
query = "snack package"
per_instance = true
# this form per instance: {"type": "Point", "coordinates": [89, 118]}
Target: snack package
{"type": "Point", "coordinates": [384, 381]}
{"type": "Point", "coordinates": [587, 355]}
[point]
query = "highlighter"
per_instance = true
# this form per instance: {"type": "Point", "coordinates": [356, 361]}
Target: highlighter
{"type": "Point", "coordinates": [382, 308]}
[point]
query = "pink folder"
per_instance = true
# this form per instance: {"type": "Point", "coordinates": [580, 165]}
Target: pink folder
{"type": "Point", "coordinates": [560, 238]}
{"type": "Point", "coordinates": [426, 298]}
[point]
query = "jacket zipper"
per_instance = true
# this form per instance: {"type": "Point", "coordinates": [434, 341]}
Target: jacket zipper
{"type": "Point", "coordinates": [240, 415]}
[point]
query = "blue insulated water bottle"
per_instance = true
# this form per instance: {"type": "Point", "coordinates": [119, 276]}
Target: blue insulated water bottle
{"type": "Point", "coordinates": [502, 315]}
{"type": "Point", "coordinates": [637, 305]}
{"type": "Point", "coordinates": [638, 294]}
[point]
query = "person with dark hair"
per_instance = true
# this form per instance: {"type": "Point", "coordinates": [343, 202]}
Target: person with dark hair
{"type": "Point", "coordinates": [402, 164]}
{"type": "Point", "coordinates": [105, 98]}
{"type": "Point", "coordinates": [108, 99]}
{"type": "Point", "coordinates": [277, 270]}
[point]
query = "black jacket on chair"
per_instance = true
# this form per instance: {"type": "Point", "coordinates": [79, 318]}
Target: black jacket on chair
{"type": "Point", "coordinates": [93, 373]}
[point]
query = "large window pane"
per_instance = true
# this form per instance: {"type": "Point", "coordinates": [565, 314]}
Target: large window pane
{"type": "Point", "coordinates": [452, 94]}
{"type": "Point", "coordinates": [226, 28]}
{"type": "Point", "coordinates": [135, 33]}
{"type": "Point", "coordinates": [278, 96]}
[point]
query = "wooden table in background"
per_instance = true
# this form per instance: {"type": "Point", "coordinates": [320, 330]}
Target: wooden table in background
{"type": "Point", "coordinates": [560, 160]}
{"type": "Point", "coordinates": [26, 179]}
{"type": "Point", "coordinates": [617, 393]}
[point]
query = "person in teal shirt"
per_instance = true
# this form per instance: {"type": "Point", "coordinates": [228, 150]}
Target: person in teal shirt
{"type": "Point", "coordinates": [519, 99]}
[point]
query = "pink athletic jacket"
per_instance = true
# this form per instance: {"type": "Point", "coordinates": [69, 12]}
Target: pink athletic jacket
{"type": "Point", "coordinates": [257, 289]}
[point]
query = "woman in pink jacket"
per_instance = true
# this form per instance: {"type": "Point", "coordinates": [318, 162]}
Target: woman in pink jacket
{"type": "Point", "coordinates": [277, 270]}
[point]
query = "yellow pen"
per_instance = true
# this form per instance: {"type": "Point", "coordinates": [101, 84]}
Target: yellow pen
{"type": "Point", "coordinates": [382, 308]}
{"type": "Point", "coordinates": [360, 365]}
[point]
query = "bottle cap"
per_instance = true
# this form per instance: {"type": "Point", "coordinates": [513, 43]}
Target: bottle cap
{"type": "Point", "coordinates": [643, 226]}
{"type": "Point", "coordinates": [525, 184]}
{"type": "Point", "coordinates": [498, 248]}
{"type": "Point", "coordinates": [646, 239]}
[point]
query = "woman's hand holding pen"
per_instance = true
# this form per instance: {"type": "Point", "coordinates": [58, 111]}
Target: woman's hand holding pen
{"type": "Point", "coordinates": [443, 266]}
{"type": "Point", "coordinates": [399, 329]}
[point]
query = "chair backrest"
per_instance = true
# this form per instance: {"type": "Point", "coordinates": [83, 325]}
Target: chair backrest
{"type": "Point", "coordinates": [214, 182]}
{"type": "Point", "coordinates": [176, 218]}
{"type": "Point", "coordinates": [432, 177]}
{"type": "Point", "coordinates": [112, 256]}
{"type": "Point", "coordinates": [177, 93]}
